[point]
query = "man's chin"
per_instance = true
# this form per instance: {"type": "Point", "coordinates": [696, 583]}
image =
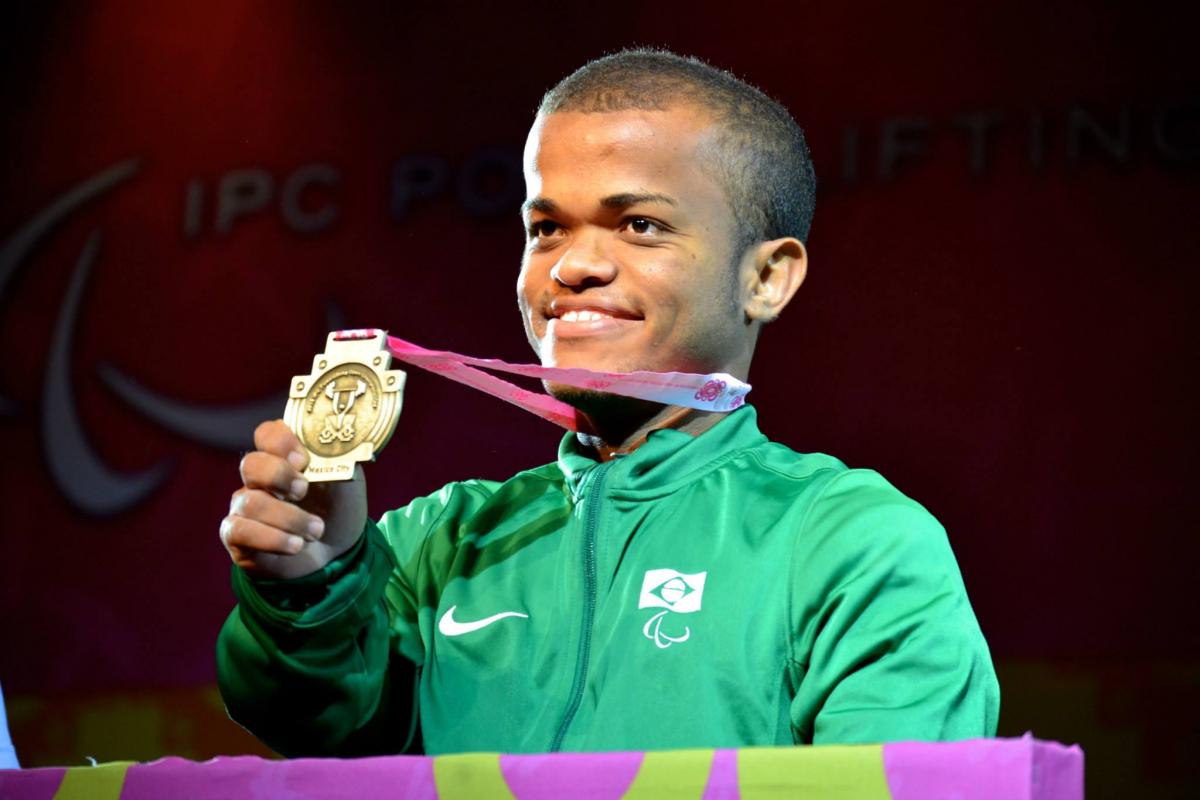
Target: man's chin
{"type": "Point", "coordinates": [599, 405]}
{"type": "Point", "coordinates": [583, 399]}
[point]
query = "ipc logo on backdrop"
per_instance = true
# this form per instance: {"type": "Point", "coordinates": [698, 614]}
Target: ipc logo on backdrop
{"type": "Point", "coordinates": [674, 592]}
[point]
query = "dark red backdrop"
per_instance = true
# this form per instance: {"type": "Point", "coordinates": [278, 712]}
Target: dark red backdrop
{"type": "Point", "coordinates": [997, 313]}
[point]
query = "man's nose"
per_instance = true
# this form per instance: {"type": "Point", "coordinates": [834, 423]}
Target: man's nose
{"type": "Point", "coordinates": [585, 264]}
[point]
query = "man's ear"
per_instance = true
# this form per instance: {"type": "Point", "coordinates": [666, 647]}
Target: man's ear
{"type": "Point", "coordinates": [779, 268]}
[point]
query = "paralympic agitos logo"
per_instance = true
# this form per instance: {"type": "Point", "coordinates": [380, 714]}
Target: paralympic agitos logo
{"type": "Point", "coordinates": [78, 471]}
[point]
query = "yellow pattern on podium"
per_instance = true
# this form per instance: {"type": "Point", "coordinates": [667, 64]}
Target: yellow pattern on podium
{"type": "Point", "coordinates": [101, 782]}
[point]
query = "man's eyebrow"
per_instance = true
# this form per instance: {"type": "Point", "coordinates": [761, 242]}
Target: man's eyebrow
{"type": "Point", "coordinates": [542, 204]}
{"type": "Point", "coordinates": [627, 199]}
{"type": "Point", "coordinates": [614, 201]}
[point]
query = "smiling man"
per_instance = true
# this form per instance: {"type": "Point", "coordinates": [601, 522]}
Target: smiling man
{"type": "Point", "coordinates": [635, 259]}
{"type": "Point", "coordinates": [673, 579]}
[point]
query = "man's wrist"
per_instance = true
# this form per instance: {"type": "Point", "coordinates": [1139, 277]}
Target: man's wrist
{"type": "Point", "coordinates": [297, 595]}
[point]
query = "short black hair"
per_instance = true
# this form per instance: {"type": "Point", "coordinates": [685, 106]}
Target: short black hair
{"type": "Point", "coordinates": [763, 161]}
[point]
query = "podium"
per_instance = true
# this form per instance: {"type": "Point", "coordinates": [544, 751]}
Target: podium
{"type": "Point", "coordinates": [977, 769]}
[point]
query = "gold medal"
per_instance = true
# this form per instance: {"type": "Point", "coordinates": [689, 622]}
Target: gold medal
{"type": "Point", "coordinates": [345, 411]}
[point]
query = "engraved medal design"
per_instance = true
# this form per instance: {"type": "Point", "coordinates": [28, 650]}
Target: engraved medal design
{"type": "Point", "coordinates": [346, 410]}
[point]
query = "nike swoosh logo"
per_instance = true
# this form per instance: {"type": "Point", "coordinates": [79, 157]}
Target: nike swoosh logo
{"type": "Point", "coordinates": [449, 626]}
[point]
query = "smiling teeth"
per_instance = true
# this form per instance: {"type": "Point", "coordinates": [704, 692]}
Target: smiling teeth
{"type": "Point", "coordinates": [583, 316]}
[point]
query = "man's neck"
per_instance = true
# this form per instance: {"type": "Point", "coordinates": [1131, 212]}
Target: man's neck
{"type": "Point", "coordinates": [614, 437]}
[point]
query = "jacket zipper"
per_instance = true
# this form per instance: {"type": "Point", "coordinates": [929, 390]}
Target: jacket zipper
{"type": "Point", "coordinates": [589, 601]}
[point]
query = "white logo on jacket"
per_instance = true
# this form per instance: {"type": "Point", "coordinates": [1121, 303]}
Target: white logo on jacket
{"type": "Point", "coordinates": [673, 591]}
{"type": "Point", "coordinates": [449, 626]}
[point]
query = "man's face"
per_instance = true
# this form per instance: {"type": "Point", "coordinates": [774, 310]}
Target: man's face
{"type": "Point", "coordinates": [629, 261]}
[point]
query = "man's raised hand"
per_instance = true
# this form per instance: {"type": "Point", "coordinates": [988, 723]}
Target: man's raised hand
{"type": "Point", "coordinates": [280, 525]}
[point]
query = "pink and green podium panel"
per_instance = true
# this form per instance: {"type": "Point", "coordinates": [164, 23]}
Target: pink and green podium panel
{"type": "Point", "coordinates": [979, 769]}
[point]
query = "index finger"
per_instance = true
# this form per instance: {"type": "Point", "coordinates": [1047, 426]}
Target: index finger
{"type": "Point", "coordinates": [276, 438]}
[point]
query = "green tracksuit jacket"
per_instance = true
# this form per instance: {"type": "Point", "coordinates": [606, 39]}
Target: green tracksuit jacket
{"type": "Point", "coordinates": [710, 591]}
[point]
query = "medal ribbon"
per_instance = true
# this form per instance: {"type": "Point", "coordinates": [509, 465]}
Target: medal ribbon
{"type": "Point", "coordinates": [717, 391]}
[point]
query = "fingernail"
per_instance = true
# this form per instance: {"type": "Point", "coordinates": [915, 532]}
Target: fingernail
{"type": "Point", "coordinates": [295, 543]}
{"type": "Point", "coordinates": [298, 487]}
{"type": "Point", "coordinates": [296, 459]}
{"type": "Point", "coordinates": [316, 526]}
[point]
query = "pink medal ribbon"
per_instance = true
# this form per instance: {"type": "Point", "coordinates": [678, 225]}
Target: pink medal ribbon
{"type": "Point", "coordinates": [715, 392]}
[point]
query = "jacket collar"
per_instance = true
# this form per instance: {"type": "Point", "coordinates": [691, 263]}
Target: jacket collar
{"type": "Point", "coordinates": [668, 459]}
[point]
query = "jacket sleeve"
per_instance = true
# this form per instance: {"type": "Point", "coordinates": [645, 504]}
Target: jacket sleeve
{"type": "Point", "coordinates": [306, 664]}
{"type": "Point", "coordinates": [886, 646]}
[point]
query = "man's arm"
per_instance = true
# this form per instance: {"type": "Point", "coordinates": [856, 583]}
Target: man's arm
{"type": "Point", "coordinates": [304, 660]}
{"type": "Point", "coordinates": [307, 664]}
{"type": "Point", "coordinates": [886, 645]}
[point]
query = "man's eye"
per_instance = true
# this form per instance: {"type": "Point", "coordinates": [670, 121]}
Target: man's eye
{"type": "Point", "coordinates": [642, 226]}
{"type": "Point", "coordinates": [543, 229]}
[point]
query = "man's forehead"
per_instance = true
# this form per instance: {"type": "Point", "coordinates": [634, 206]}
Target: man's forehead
{"type": "Point", "coordinates": [612, 156]}
{"type": "Point", "coordinates": [610, 131]}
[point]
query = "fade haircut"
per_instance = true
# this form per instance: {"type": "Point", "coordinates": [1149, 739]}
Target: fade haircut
{"type": "Point", "coordinates": [762, 161]}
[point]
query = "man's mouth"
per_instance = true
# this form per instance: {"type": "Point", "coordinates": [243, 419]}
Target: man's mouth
{"type": "Point", "coordinates": [584, 315]}
{"type": "Point", "coordinates": [570, 320]}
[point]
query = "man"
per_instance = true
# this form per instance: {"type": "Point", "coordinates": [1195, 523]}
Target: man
{"type": "Point", "coordinates": [674, 579]}
{"type": "Point", "coordinates": [8, 754]}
